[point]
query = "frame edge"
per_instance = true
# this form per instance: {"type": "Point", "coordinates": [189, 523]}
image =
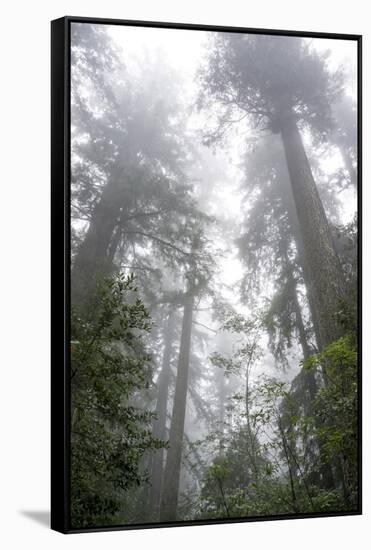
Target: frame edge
{"type": "Point", "coordinates": [59, 518]}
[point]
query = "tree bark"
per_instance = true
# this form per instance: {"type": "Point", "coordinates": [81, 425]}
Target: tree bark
{"type": "Point", "coordinates": [310, 384]}
{"type": "Point", "coordinates": [321, 259]}
{"type": "Point", "coordinates": [159, 425]}
{"type": "Point", "coordinates": [252, 440]}
{"type": "Point", "coordinates": [299, 322]}
{"type": "Point", "coordinates": [221, 398]}
{"type": "Point", "coordinates": [347, 158]}
{"type": "Point", "coordinates": [95, 254]}
{"type": "Point", "coordinates": [170, 492]}
{"type": "Point", "coordinates": [289, 202]}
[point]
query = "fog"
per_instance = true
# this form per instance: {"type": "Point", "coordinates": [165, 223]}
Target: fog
{"type": "Point", "coordinates": [214, 259]}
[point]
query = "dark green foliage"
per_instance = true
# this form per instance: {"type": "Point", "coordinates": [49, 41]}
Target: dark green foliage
{"type": "Point", "coordinates": [336, 404]}
{"type": "Point", "coordinates": [109, 432]}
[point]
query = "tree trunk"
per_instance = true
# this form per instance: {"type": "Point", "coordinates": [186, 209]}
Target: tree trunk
{"type": "Point", "coordinates": [159, 425]}
{"type": "Point", "coordinates": [290, 469]}
{"type": "Point", "coordinates": [94, 256]}
{"type": "Point", "coordinates": [289, 202]}
{"type": "Point", "coordinates": [221, 398]}
{"type": "Point", "coordinates": [300, 323]}
{"type": "Point", "coordinates": [251, 436]}
{"type": "Point", "coordinates": [310, 384]}
{"type": "Point", "coordinates": [349, 166]}
{"type": "Point", "coordinates": [169, 497]}
{"type": "Point", "coordinates": [347, 158]}
{"type": "Point", "coordinates": [321, 259]}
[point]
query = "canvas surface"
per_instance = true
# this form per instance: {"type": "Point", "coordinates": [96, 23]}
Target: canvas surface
{"type": "Point", "coordinates": [214, 283]}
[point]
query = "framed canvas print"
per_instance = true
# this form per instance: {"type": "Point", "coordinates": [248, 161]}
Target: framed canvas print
{"type": "Point", "coordinates": [206, 273]}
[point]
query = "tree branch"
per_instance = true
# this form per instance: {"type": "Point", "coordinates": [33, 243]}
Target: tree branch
{"type": "Point", "coordinates": [161, 241]}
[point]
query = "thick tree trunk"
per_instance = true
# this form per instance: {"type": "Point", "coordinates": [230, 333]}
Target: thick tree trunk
{"type": "Point", "coordinates": [296, 232]}
{"type": "Point", "coordinates": [310, 384]}
{"type": "Point", "coordinates": [169, 497]}
{"type": "Point", "coordinates": [321, 259]}
{"type": "Point", "coordinates": [159, 425]}
{"type": "Point", "coordinates": [95, 254]}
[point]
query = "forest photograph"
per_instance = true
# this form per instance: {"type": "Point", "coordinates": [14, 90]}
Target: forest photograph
{"type": "Point", "coordinates": [214, 371]}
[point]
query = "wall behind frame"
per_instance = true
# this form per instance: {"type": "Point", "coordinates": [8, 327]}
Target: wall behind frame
{"type": "Point", "coordinates": [24, 354]}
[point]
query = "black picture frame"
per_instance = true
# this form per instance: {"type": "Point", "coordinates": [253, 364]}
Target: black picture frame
{"type": "Point", "coordinates": [61, 264]}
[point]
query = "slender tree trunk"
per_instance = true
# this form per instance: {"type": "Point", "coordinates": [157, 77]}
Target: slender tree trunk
{"type": "Point", "coordinates": [292, 475]}
{"type": "Point", "coordinates": [159, 425]}
{"type": "Point", "coordinates": [114, 244]}
{"type": "Point", "coordinates": [170, 492]}
{"type": "Point", "coordinates": [349, 165]}
{"type": "Point", "coordinates": [347, 158]}
{"type": "Point", "coordinates": [321, 259]}
{"type": "Point", "coordinates": [251, 436]}
{"type": "Point", "coordinates": [221, 397]}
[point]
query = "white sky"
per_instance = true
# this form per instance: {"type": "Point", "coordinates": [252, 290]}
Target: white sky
{"type": "Point", "coordinates": [183, 49]}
